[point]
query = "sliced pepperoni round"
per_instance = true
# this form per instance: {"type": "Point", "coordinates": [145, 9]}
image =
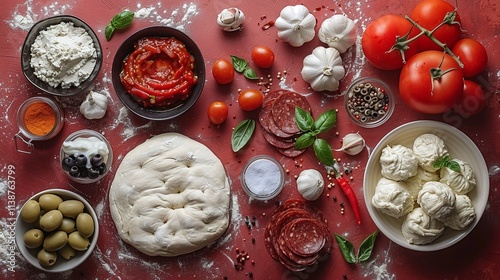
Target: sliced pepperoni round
{"type": "Point", "coordinates": [291, 152]}
{"type": "Point", "coordinates": [283, 110]}
{"type": "Point", "coordinates": [306, 237]}
{"type": "Point", "coordinates": [276, 141]}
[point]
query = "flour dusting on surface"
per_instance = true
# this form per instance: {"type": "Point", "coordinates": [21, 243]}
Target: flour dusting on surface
{"type": "Point", "coordinates": [379, 271]}
{"type": "Point", "coordinates": [24, 15]}
{"type": "Point", "coordinates": [177, 18]}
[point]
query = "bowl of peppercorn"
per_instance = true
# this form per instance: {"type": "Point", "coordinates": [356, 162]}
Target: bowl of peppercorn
{"type": "Point", "coordinates": [86, 156]}
{"type": "Point", "coordinates": [369, 102]}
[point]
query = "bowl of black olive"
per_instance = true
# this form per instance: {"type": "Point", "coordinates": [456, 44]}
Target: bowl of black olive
{"type": "Point", "coordinates": [86, 156]}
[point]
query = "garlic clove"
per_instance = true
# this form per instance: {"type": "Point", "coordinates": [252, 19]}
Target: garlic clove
{"type": "Point", "coordinates": [352, 144]}
{"type": "Point", "coordinates": [231, 19]}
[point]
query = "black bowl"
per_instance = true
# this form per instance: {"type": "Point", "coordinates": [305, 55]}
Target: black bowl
{"type": "Point", "coordinates": [157, 113]}
{"type": "Point", "coordinates": [26, 56]}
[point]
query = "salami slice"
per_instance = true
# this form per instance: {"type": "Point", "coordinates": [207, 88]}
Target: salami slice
{"type": "Point", "coordinates": [283, 110]}
{"type": "Point", "coordinates": [291, 152]}
{"type": "Point", "coordinates": [276, 141]}
{"type": "Point", "coordinates": [297, 235]}
{"type": "Point", "coordinates": [306, 237]}
{"type": "Point", "coordinates": [267, 122]}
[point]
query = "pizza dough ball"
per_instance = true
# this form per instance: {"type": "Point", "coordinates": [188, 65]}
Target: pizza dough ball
{"type": "Point", "coordinates": [463, 214]}
{"type": "Point", "coordinates": [416, 182]}
{"type": "Point", "coordinates": [398, 163]}
{"type": "Point", "coordinates": [392, 198]}
{"type": "Point", "coordinates": [461, 182]}
{"type": "Point", "coordinates": [170, 196]}
{"type": "Point", "coordinates": [437, 200]}
{"type": "Point", "coordinates": [428, 148]}
{"type": "Point", "coordinates": [419, 228]}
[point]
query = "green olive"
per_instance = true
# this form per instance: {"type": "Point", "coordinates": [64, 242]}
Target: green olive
{"type": "Point", "coordinates": [51, 220]}
{"type": "Point", "coordinates": [47, 258]}
{"type": "Point", "coordinates": [68, 225]}
{"type": "Point", "coordinates": [85, 224]}
{"type": "Point", "coordinates": [55, 241]}
{"type": "Point", "coordinates": [78, 242]}
{"type": "Point", "coordinates": [30, 212]}
{"type": "Point", "coordinates": [67, 252]}
{"type": "Point", "coordinates": [71, 208]}
{"type": "Point", "coordinates": [33, 238]}
{"type": "Point", "coordinates": [49, 201]}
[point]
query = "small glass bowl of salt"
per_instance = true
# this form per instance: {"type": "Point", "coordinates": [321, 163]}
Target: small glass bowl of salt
{"type": "Point", "coordinates": [262, 177]}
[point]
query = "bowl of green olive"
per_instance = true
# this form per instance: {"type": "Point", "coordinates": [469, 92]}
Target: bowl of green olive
{"type": "Point", "coordinates": [56, 230]}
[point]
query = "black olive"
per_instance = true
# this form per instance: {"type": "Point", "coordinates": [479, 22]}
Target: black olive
{"type": "Point", "coordinates": [67, 163]}
{"type": "Point", "coordinates": [102, 168]}
{"type": "Point", "coordinates": [93, 173]}
{"type": "Point", "coordinates": [83, 172]}
{"type": "Point", "coordinates": [81, 160]}
{"type": "Point", "coordinates": [96, 160]}
{"type": "Point", "coordinates": [74, 171]}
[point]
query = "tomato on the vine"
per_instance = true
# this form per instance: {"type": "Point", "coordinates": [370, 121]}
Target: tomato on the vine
{"type": "Point", "coordinates": [217, 112]}
{"type": "Point", "coordinates": [429, 14]}
{"type": "Point", "coordinates": [262, 56]}
{"type": "Point", "coordinates": [223, 71]}
{"type": "Point", "coordinates": [250, 99]}
{"type": "Point", "coordinates": [380, 36]}
{"type": "Point", "coordinates": [472, 54]}
{"type": "Point", "coordinates": [431, 82]}
{"type": "Point", "coordinates": [473, 100]}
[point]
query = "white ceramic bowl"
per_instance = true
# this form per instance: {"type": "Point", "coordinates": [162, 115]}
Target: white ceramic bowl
{"type": "Point", "coordinates": [460, 146]}
{"type": "Point", "coordinates": [61, 264]}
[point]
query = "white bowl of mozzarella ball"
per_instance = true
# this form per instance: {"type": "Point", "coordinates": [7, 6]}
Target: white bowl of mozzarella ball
{"type": "Point", "coordinates": [426, 185]}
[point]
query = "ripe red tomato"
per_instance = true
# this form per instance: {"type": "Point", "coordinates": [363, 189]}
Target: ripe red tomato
{"type": "Point", "coordinates": [250, 99]}
{"type": "Point", "coordinates": [262, 56]}
{"type": "Point", "coordinates": [472, 54]}
{"type": "Point", "coordinates": [379, 37]}
{"type": "Point", "coordinates": [217, 112]}
{"type": "Point", "coordinates": [429, 14]}
{"type": "Point", "coordinates": [223, 71]}
{"type": "Point", "coordinates": [473, 100]}
{"type": "Point", "coordinates": [423, 93]}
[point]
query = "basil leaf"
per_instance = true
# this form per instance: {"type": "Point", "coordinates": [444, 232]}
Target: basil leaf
{"type": "Point", "coordinates": [453, 165]}
{"type": "Point", "coordinates": [366, 247]}
{"type": "Point", "coordinates": [446, 162]}
{"type": "Point", "coordinates": [122, 20]}
{"type": "Point", "coordinates": [346, 248]}
{"type": "Point", "coordinates": [323, 152]}
{"type": "Point", "coordinates": [108, 31]}
{"type": "Point", "coordinates": [325, 121]}
{"type": "Point", "coordinates": [249, 73]}
{"type": "Point", "coordinates": [304, 120]}
{"type": "Point", "coordinates": [305, 140]}
{"type": "Point", "coordinates": [242, 134]}
{"type": "Point", "coordinates": [239, 64]}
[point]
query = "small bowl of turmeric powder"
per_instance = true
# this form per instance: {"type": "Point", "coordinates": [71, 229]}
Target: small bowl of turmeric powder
{"type": "Point", "coordinates": [39, 118]}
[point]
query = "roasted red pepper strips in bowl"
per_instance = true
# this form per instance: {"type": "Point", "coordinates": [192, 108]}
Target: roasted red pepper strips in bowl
{"type": "Point", "coordinates": [158, 73]}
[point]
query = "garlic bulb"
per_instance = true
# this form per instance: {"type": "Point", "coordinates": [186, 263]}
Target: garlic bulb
{"type": "Point", "coordinates": [323, 69]}
{"type": "Point", "coordinates": [296, 25]}
{"type": "Point", "coordinates": [338, 32]}
{"type": "Point", "coordinates": [231, 19]}
{"type": "Point", "coordinates": [352, 144]}
{"type": "Point", "coordinates": [94, 106]}
{"type": "Point", "coordinates": [310, 184]}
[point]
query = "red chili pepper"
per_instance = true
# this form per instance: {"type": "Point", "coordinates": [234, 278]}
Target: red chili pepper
{"type": "Point", "coordinates": [351, 196]}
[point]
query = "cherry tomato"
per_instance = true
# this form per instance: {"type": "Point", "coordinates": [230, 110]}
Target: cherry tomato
{"type": "Point", "coordinates": [262, 56]}
{"type": "Point", "coordinates": [473, 100]}
{"type": "Point", "coordinates": [429, 14]}
{"type": "Point", "coordinates": [379, 37]}
{"type": "Point", "coordinates": [472, 54]}
{"type": "Point", "coordinates": [423, 93]}
{"type": "Point", "coordinates": [223, 71]}
{"type": "Point", "coordinates": [250, 99]}
{"type": "Point", "coordinates": [217, 112]}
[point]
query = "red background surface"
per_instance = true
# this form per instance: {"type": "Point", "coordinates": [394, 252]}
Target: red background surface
{"type": "Point", "coordinates": [475, 257]}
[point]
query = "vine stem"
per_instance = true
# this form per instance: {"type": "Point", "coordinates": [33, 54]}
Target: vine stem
{"type": "Point", "coordinates": [430, 35]}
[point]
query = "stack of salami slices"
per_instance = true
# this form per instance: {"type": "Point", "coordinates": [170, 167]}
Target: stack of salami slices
{"type": "Point", "coordinates": [297, 235]}
{"type": "Point", "coordinates": [277, 119]}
